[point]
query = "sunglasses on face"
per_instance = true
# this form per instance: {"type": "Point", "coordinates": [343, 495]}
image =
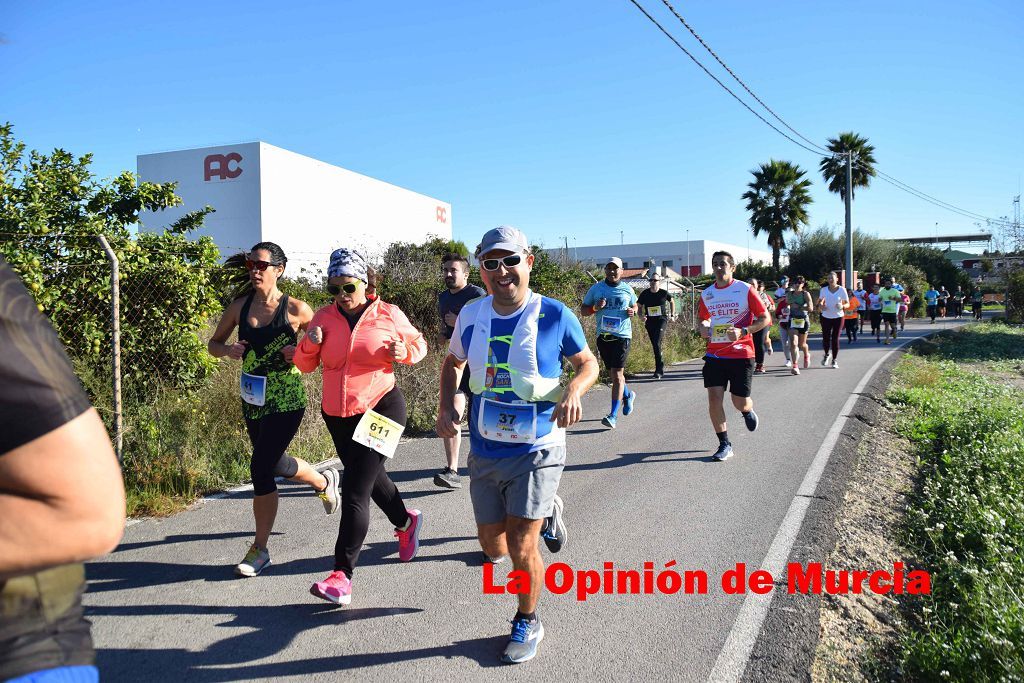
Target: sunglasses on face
{"type": "Point", "coordinates": [510, 262]}
{"type": "Point", "coordinates": [259, 265]}
{"type": "Point", "coordinates": [348, 288]}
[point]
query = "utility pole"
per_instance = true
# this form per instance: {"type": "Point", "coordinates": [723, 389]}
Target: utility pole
{"type": "Point", "coordinates": [622, 240]}
{"type": "Point", "coordinates": [687, 253]}
{"type": "Point", "coordinates": [849, 220]}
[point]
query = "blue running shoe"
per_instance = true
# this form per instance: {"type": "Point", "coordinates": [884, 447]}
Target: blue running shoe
{"type": "Point", "coordinates": [627, 403]}
{"type": "Point", "coordinates": [522, 645]}
{"type": "Point", "coordinates": [608, 421]}
{"type": "Point", "coordinates": [724, 452]}
{"type": "Point", "coordinates": [750, 419]}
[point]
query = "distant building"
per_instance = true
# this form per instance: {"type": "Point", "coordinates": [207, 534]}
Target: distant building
{"type": "Point", "coordinates": [688, 259]}
{"type": "Point", "coordinates": [309, 207]}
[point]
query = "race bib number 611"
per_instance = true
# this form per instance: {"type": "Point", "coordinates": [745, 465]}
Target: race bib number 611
{"type": "Point", "coordinates": [379, 433]}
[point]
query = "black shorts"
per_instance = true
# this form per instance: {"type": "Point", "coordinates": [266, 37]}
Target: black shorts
{"type": "Point", "coordinates": [613, 350]}
{"type": "Point", "coordinates": [889, 317]}
{"type": "Point", "coordinates": [863, 314]}
{"type": "Point", "coordinates": [803, 329]}
{"type": "Point", "coordinates": [734, 374]}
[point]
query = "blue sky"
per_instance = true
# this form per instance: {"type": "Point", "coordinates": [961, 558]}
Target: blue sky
{"type": "Point", "coordinates": [561, 117]}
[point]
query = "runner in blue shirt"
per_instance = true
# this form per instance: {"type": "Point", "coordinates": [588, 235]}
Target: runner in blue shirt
{"type": "Point", "coordinates": [614, 304]}
{"type": "Point", "coordinates": [514, 342]}
{"type": "Point", "coordinates": [931, 300]}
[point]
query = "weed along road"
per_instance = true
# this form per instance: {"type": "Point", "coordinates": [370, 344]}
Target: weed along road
{"type": "Point", "coordinates": [167, 605]}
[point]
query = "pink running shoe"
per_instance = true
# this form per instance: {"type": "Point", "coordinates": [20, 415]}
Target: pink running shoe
{"type": "Point", "coordinates": [409, 540]}
{"type": "Point", "coordinates": [336, 588]}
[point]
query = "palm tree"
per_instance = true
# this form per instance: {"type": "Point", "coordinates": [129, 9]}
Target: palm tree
{"type": "Point", "coordinates": [777, 201]}
{"type": "Point", "coordinates": [833, 168]}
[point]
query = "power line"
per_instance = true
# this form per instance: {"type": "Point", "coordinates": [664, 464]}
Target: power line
{"type": "Point", "coordinates": [716, 80]}
{"type": "Point", "coordinates": [899, 184]}
{"type": "Point", "coordinates": [818, 149]}
{"type": "Point", "coordinates": [823, 150]}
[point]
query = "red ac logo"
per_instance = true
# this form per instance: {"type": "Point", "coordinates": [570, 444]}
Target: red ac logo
{"type": "Point", "coordinates": [220, 165]}
{"type": "Point", "coordinates": [442, 214]}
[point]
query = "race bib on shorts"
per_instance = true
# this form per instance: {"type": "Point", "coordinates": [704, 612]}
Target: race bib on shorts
{"type": "Point", "coordinates": [611, 324]}
{"type": "Point", "coordinates": [507, 422]}
{"type": "Point", "coordinates": [798, 323]}
{"type": "Point", "coordinates": [254, 389]}
{"type": "Point", "coordinates": [654, 312]}
{"type": "Point", "coordinates": [720, 333]}
{"type": "Point", "coordinates": [379, 433]}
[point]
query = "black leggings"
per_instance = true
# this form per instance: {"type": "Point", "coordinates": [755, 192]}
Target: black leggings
{"type": "Point", "coordinates": [270, 435]}
{"type": "Point", "coordinates": [851, 326]}
{"type": "Point", "coordinates": [364, 478]}
{"type": "Point", "coordinates": [830, 329]}
{"type": "Point", "coordinates": [655, 326]}
{"type": "Point", "coordinates": [759, 345]}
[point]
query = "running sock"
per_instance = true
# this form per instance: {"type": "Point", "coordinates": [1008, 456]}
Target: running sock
{"type": "Point", "coordinates": [723, 437]}
{"type": "Point", "coordinates": [532, 616]}
{"type": "Point", "coordinates": [615, 406]}
{"type": "Point", "coordinates": [626, 392]}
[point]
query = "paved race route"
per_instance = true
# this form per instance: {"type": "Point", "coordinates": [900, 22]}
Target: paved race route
{"type": "Point", "coordinates": [166, 605]}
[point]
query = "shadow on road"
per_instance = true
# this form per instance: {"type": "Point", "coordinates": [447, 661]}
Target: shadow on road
{"type": "Point", "coordinates": [267, 631]}
{"type": "Point", "coordinates": [187, 538]}
{"type": "Point", "coordinates": [627, 459]}
{"type": "Point", "coordinates": [130, 574]}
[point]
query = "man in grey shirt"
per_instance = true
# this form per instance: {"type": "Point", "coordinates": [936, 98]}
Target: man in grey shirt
{"type": "Point", "coordinates": [455, 269]}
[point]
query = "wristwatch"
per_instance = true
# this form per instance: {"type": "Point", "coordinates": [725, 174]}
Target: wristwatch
{"type": "Point", "coordinates": [745, 332]}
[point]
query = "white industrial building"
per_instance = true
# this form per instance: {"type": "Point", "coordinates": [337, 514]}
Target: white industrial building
{"type": "Point", "coordinates": [686, 258]}
{"type": "Point", "coordinates": [309, 207]}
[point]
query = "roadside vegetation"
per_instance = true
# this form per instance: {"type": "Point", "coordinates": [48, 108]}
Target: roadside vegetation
{"type": "Point", "coordinates": [960, 401]}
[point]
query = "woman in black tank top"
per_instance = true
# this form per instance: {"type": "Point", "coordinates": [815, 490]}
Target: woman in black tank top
{"type": "Point", "coordinates": [272, 395]}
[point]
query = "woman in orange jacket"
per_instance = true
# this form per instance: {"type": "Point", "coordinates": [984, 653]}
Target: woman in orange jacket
{"type": "Point", "coordinates": [357, 341]}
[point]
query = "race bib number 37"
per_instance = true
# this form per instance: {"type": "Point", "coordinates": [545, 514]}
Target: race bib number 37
{"type": "Point", "coordinates": [380, 433]}
{"type": "Point", "coordinates": [507, 422]}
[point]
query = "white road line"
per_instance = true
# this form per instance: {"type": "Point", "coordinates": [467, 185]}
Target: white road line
{"type": "Point", "coordinates": [732, 660]}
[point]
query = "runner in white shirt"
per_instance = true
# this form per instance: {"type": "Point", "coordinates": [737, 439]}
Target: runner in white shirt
{"type": "Point", "coordinates": [832, 302]}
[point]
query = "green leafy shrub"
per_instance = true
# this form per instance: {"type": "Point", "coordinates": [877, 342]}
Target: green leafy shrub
{"type": "Point", "coordinates": [51, 211]}
{"type": "Point", "coordinates": [966, 521]}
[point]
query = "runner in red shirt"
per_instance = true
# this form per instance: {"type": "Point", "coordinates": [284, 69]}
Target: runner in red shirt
{"type": "Point", "coordinates": [730, 312]}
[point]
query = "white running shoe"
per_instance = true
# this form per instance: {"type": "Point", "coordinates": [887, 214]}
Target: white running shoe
{"type": "Point", "coordinates": [824, 361]}
{"type": "Point", "coordinates": [835, 364]}
{"type": "Point", "coordinates": [789, 363]}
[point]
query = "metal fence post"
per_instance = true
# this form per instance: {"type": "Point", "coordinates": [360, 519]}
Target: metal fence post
{"type": "Point", "coordinates": [115, 328]}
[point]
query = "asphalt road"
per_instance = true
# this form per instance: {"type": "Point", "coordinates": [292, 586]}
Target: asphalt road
{"type": "Point", "coordinates": [166, 606]}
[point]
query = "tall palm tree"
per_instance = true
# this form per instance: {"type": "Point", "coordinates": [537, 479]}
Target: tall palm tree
{"type": "Point", "coordinates": [833, 168]}
{"type": "Point", "coordinates": [777, 201]}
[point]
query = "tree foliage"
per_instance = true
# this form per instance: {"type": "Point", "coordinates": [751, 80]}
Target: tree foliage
{"type": "Point", "coordinates": [777, 201]}
{"type": "Point", "coordinates": [833, 168]}
{"type": "Point", "coordinates": [816, 253]}
{"type": "Point", "coordinates": [51, 210]}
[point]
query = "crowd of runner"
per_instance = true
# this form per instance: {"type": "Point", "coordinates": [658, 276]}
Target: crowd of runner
{"type": "Point", "coordinates": [506, 346]}
{"type": "Point", "coordinates": [506, 349]}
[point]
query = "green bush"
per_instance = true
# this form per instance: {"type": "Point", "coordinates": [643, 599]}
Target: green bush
{"type": "Point", "coordinates": [51, 211]}
{"type": "Point", "coordinates": [966, 521]}
{"type": "Point", "coordinates": [1015, 297]}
